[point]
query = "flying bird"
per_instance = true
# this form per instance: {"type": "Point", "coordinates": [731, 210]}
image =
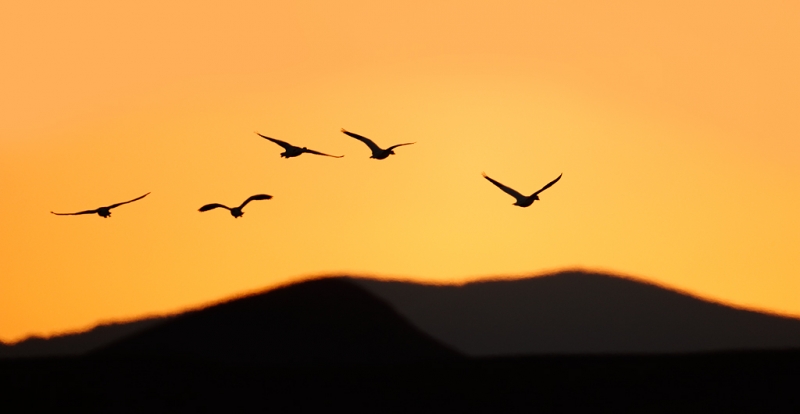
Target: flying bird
{"type": "Point", "coordinates": [236, 211]}
{"type": "Point", "coordinates": [103, 212]}
{"type": "Point", "coordinates": [377, 152]}
{"type": "Point", "coordinates": [292, 151]}
{"type": "Point", "coordinates": [522, 201]}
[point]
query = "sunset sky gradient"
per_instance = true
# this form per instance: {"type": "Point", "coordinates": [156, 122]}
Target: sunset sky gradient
{"type": "Point", "coordinates": [676, 125]}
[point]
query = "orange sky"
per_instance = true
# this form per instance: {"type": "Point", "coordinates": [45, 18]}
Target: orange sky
{"type": "Point", "coordinates": [675, 124]}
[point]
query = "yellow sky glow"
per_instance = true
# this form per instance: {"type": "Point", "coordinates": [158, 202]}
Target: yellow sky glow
{"type": "Point", "coordinates": [674, 123]}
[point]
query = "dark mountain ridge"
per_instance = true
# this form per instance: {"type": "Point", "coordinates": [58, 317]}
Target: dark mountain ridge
{"type": "Point", "coordinates": [330, 344]}
{"type": "Point", "coordinates": [565, 313]}
{"type": "Point", "coordinates": [318, 322]}
{"type": "Point", "coordinates": [578, 312]}
{"type": "Point", "coordinates": [77, 343]}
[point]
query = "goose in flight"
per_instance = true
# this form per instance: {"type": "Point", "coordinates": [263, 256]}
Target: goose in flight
{"type": "Point", "coordinates": [377, 152]}
{"type": "Point", "coordinates": [292, 151]}
{"type": "Point", "coordinates": [236, 211]}
{"type": "Point", "coordinates": [522, 201]}
{"type": "Point", "coordinates": [104, 212]}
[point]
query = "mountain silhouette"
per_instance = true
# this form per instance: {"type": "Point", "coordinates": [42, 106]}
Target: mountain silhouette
{"type": "Point", "coordinates": [319, 322]}
{"type": "Point", "coordinates": [78, 343]}
{"type": "Point", "coordinates": [349, 319]}
{"type": "Point", "coordinates": [580, 313]}
{"type": "Point", "coordinates": [334, 345]}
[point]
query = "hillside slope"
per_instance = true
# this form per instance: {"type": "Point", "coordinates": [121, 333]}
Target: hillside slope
{"type": "Point", "coordinates": [580, 313]}
{"type": "Point", "coordinates": [317, 322]}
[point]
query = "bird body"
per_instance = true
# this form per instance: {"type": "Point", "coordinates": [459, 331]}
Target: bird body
{"type": "Point", "coordinates": [522, 201]}
{"type": "Point", "coordinates": [377, 152]}
{"type": "Point", "coordinates": [236, 212]}
{"type": "Point", "coordinates": [291, 151]}
{"type": "Point", "coordinates": [104, 212]}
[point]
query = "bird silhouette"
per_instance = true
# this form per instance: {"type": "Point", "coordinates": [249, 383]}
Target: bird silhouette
{"type": "Point", "coordinates": [236, 211]}
{"type": "Point", "coordinates": [377, 152]}
{"type": "Point", "coordinates": [104, 212]}
{"type": "Point", "coordinates": [522, 201]}
{"type": "Point", "coordinates": [292, 151]}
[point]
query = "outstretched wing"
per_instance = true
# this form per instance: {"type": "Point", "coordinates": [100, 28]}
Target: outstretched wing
{"type": "Point", "coordinates": [508, 190]}
{"type": "Point", "coordinates": [549, 184]}
{"type": "Point", "coordinates": [365, 140]}
{"type": "Point", "coordinates": [322, 153]}
{"type": "Point", "coordinates": [255, 197]}
{"type": "Point", "coordinates": [399, 145]}
{"type": "Point", "coordinates": [212, 206]}
{"type": "Point", "coordinates": [126, 202]}
{"type": "Point", "coordinates": [284, 144]}
{"type": "Point", "coordinates": [75, 214]}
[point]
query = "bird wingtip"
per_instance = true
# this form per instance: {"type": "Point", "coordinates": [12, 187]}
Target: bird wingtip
{"type": "Point", "coordinates": [343, 130]}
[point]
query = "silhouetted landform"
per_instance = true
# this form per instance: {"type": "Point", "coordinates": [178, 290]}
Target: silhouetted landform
{"type": "Point", "coordinates": [317, 322]}
{"type": "Point", "coordinates": [565, 313]}
{"type": "Point", "coordinates": [580, 313]}
{"type": "Point", "coordinates": [77, 343]}
{"type": "Point", "coordinates": [330, 345]}
{"type": "Point", "coordinates": [736, 382]}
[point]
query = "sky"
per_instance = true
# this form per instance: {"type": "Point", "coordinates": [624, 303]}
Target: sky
{"type": "Point", "coordinates": [674, 124]}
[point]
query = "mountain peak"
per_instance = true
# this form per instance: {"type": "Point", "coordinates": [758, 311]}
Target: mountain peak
{"type": "Point", "coordinates": [580, 312]}
{"type": "Point", "coordinates": [317, 322]}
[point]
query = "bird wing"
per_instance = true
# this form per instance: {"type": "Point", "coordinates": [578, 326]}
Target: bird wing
{"type": "Point", "coordinates": [365, 140]}
{"type": "Point", "coordinates": [399, 145]}
{"type": "Point", "coordinates": [322, 153]}
{"type": "Point", "coordinates": [75, 214]}
{"type": "Point", "coordinates": [126, 202]}
{"type": "Point", "coordinates": [255, 197]}
{"type": "Point", "coordinates": [212, 206]}
{"type": "Point", "coordinates": [284, 144]}
{"type": "Point", "coordinates": [508, 190]}
{"type": "Point", "coordinates": [549, 184]}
